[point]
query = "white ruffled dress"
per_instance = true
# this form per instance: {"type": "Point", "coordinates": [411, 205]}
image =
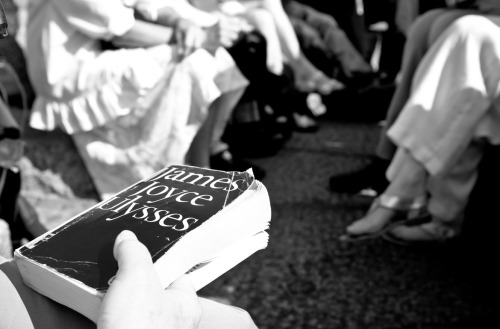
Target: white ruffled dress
{"type": "Point", "coordinates": [130, 112]}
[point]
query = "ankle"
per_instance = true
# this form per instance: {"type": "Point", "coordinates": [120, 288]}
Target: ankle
{"type": "Point", "coordinates": [373, 221]}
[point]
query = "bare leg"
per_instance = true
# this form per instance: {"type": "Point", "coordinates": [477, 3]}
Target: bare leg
{"type": "Point", "coordinates": [199, 151]}
{"type": "Point", "coordinates": [263, 21]}
{"type": "Point", "coordinates": [208, 138]}
{"type": "Point", "coordinates": [225, 105]}
{"type": "Point", "coordinates": [307, 77]}
{"type": "Point", "coordinates": [289, 41]}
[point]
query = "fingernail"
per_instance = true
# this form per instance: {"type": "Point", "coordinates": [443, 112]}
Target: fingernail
{"type": "Point", "coordinates": [125, 235]}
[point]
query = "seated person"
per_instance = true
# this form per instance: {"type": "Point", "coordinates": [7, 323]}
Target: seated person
{"type": "Point", "coordinates": [327, 46]}
{"type": "Point", "coordinates": [440, 134]}
{"type": "Point", "coordinates": [238, 37]}
{"type": "Point", "coordinates": [130, 110]}
{"type": "Point", "coordinates": [424, 31]}
{"type": "Point", "coordinates": [268, 86]}
{"type": "Point", "coordinates": [134, 300]}
{"type": "Point", "coordinates": [269, 18]}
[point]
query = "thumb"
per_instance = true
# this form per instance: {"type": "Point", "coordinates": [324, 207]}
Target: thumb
{"type": "Point", "coordinates": [129, 252]}
{"type": "Point", "coordinates": [183, 284]}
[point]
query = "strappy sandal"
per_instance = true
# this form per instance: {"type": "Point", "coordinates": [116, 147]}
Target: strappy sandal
{"type": "Point", "coordinates": [412, 212]}
{"type": "Point", "coordinates": [430, 233]}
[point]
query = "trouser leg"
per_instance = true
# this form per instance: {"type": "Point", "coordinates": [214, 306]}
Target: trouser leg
{"type": "Point", "coordinates": [407, 176]}
{"type": "Point", "coordinates": [450, 191]}
{"type": "Point", "coordinates": [422, 34]}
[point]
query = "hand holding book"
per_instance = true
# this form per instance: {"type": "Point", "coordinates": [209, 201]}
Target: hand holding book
{"type": "Point", "coordinates": [136, 298]}
{"type": "Point", "coordinates": [193, 221]}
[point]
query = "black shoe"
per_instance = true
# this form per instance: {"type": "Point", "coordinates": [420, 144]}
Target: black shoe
{"type": "Point", "coordinates": [372, 176]}
{"type": "Point", "coordinates": [362, 80]}
{"type": "Point", "coordinates": [225, 161]}
{"type": "Point", "coordinates": [267, 138]}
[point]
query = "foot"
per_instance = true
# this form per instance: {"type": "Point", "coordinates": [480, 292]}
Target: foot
{"type": "Point", "coordinates": [318, 82]}
{"type": "Point", "coordinates": [374, 222]}
{"type": "Point", "coordinates": [432, 232]}
{"type": "Point", "coordinates": [385, 213]}
{"type": "Point", "coordinates": [372, 176]}
{"type": "Point", "coordinates": [226, 161]}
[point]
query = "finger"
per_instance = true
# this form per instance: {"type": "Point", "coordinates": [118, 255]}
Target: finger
{"type": "Point", "coordinates": [129, 252]}
{"type": "Point", "coordinates": [229, 28]}
{"type": "Point", "coordinates": [228, 39]}
{"type": "Point", "coordinates": [246, 26]}
{"type": "Point", "coordinates": [191, 42]}
{"type": "Point", "coordinates": [238, 24]}
{"type": "Point", "coordinates": [199, 40]}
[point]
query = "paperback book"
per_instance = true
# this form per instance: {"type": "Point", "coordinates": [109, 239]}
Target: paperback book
{"type": "Point", "coordinates": [194, 221]}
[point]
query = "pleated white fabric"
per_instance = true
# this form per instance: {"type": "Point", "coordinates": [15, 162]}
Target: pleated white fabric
{"type": "Point", "coordinates": [129, 111]}
{"type": "Point", "coordinates": [455, 95]}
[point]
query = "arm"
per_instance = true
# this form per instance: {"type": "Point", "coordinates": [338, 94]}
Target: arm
{"type": "Point", "coordinates": [145, 34]}
{"type": "Point", "coordinates": [187, 11]}
{"type": "Point", "coordinates": [192, 30]}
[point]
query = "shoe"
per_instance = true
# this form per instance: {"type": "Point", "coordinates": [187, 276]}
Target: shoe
{"type": "Point", "coordinates": [429, 233]}
{"type": "Point", "coordinates": [225, 161]}
{"type": "Point", "coordinates": [268, 137]}
{"type": "Point", "coordinates": [370, 177]}
{"type": "Point", "coordinates": [314, 102]}
{"type": "Point", "coordinates": [304, 123]}
{"type": "Point", "coordinates": [372, 102]}
{"type": "Point", "coordinates": [410, 212]}
{"type": "Point", "coordinates": [362, 80]}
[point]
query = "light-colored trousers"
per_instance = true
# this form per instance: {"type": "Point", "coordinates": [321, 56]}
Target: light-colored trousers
{"type": "Point", "coordinates": [452, 112]}
{"type": "Point", "coordinates": [422, 34]}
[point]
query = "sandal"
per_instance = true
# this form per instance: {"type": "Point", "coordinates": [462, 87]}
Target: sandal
{"type": "Point", "coordinates": [432, 232]}
{"type": "Point", "coordinates": [412, 212]}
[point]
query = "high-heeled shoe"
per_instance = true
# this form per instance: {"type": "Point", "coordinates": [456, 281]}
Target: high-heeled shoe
{"type": "Point", "coordinates": [405, 211]}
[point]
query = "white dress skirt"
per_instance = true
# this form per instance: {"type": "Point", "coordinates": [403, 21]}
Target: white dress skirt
{"type": "Point", "coordinates": [455, 95]}
{"type": "Point", "coordinates": [130, 112]}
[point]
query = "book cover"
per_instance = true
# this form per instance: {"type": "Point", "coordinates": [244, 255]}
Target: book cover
{"type": "Point", "coordinates": [160, 211]}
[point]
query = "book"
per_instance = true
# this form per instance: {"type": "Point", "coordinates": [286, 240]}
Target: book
{"type": "Point", "coordinates": [194, 221]}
